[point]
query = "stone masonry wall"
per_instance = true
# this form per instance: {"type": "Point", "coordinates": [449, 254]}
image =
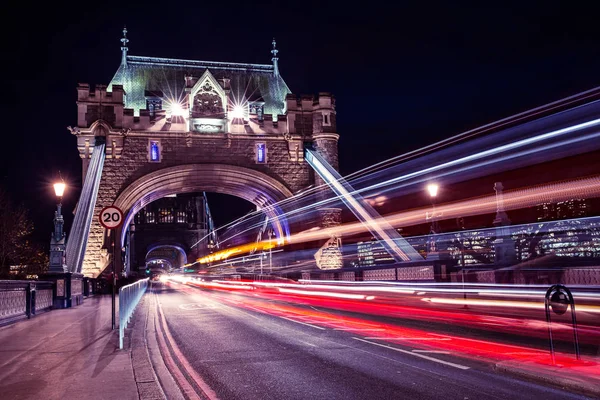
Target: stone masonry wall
{"type": "Point", "coordinates": [133, 164]}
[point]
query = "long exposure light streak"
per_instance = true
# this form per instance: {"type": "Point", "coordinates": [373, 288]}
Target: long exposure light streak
{"type": "Point", "coordinates": [486, 153]}
{"type": "Point", "coordinates": [363, 211]}
{"type": "Point", "coordinates": [474, 133]}
{"type": "Point", "coordinates": [442, 169]}
{"type": "Point", "coordinates": [515, 199]}
{"type": "Point", "coordinates": [315, 312]}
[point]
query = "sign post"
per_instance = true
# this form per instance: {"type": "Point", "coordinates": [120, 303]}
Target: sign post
{"type": "Point", "coordinates": [558, 298]}
{"type": "Point", "coordinates": [111, 217]}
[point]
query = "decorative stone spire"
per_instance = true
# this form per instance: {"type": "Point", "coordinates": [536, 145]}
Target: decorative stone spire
{"type": "Point", "coordinates": [124, 47]}
{"type": "Point", "coordinates": [275, 58]}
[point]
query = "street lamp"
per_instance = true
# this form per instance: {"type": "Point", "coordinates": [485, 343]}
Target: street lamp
{"type": "Point", "coordinates": [432, 253]}
{"type": "Point", "coordinates": [58, 238]}
{"type": "Point", "coordinates": [433, 189]}
{"type": "Point", "coordinates": [270, 233]}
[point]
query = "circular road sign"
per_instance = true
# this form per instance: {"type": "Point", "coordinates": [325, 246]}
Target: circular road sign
{"type": "Point", "coordinates": [111, 217]}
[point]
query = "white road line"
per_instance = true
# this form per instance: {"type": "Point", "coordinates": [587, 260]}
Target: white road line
{"type": "Point", "coordinates": [303, 323]}
{"type": "Point", "coordinates": [463, 367]}
{"type": "Point", "coordinates": [431, 351]}
{"type": "Point", "coordinates": [405, 338]}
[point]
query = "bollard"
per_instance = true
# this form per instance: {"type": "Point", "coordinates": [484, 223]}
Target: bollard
{"type": "Point", "coordinates": [559, 297]}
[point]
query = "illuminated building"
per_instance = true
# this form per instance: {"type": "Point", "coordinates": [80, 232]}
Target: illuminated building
{"type": "Point", "coordinates": [372, 253]}
{"type": "Point", "coordinates": [573, 208]}
{"type": "Point", "coordinates": [166, 126]}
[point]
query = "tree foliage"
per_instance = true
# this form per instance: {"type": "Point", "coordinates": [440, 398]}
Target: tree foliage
{"type": "Point", "coordinates": [15, 228]}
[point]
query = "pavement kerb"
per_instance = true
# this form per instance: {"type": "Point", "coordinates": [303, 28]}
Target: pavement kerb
{"type": "Point", "coordinates": [146, 380]}
{"type": "Point", "coordinates": [551, 376]}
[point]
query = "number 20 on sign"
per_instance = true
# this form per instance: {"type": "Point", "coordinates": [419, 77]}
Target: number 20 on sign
{"type": "Point", "coordinates": [111, 217]}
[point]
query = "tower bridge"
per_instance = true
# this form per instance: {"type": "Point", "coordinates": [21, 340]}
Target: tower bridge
{"type": "Point", "coordinates": [165, 126]}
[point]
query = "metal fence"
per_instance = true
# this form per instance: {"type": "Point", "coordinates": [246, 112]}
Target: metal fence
{"type": "Point", "coordinates": [23, 299]}
{"type": "Point", "coordinates": [129, 297]}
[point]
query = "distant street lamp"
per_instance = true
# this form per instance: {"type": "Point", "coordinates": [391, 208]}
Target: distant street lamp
{"type": "Point", "coordinates": [433, 189]}
{"type": "Point", "coordinates": [270, 233]}
{"type": "Point", "coordinates": [58, 239]}
{"type": "Point", "coordinates": [432, 253]}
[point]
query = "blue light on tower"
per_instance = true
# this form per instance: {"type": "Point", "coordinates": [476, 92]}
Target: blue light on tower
{"type": "Point", "coordinates": [154, 151]}
{"type": "Point", "coordinates": [261, 151]}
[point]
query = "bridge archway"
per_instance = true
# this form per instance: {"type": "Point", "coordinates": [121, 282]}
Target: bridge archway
{"type": "Point", "coordinates": [256, 187]}
{"type": "Point", "coordinates": [176, 259]}
{"type": "Point", "coordinates": [251, 185]}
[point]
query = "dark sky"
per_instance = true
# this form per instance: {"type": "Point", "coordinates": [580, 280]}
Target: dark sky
{"type": "Point", "coordinates": [404, 76]}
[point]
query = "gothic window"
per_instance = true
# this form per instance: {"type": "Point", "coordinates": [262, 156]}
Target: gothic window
{"type": "Point", "coordinates": [150, 217]}
{"type": "Point", "coordinates": [153, 105]}
{"type": "Point", "coordinates": [207, 103]}
{"type": "Point", "coordinates": [256, 109]}
{"type": "Point", "coordinates": [165, 215]}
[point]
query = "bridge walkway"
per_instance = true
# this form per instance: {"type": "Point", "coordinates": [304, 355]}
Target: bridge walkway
{"type": "Point", "coordinates": [67, 354]}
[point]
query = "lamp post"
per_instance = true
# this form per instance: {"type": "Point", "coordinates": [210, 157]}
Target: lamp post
{"type": "Point", "coordinates": [58, 239]}
{"type": "Point", "coordinates": [270, 233]}
{"type": "Point", "coordinates": [432, 253]}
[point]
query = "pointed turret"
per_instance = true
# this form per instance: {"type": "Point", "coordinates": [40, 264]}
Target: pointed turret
{"type": "Point", "coordinates": [275, 58]}
{"type": "Point", "coordinates": [124, 47]}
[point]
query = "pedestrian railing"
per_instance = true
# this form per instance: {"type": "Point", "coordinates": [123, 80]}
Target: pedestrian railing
{"type": "Point", "coordinates": [23, 299]}
{"type": "Point", "coordinates": [129, 297]}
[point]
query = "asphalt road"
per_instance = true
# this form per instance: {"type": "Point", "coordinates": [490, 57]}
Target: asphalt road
{"type": "Point", "coordinates": [240, 351]}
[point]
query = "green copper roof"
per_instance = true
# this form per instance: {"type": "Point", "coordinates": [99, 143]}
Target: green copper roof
{"type": "Point", "coordinates": [143, 75]}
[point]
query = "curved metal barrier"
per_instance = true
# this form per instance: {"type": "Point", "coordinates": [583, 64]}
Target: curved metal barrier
{"type": "Point", "coordinates": [129, 297]}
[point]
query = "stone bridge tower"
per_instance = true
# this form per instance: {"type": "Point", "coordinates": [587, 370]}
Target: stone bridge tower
{"type": "Point", "coordinates": [180, 126]}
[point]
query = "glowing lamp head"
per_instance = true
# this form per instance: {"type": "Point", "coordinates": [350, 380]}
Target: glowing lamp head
{"type": "Point", "coordinates": [59, 189]}
{"type": "Point", "coordinates": [176, 109]}
{"type": "Point", "coordinates": [433, 189]}
{"type": "Point", "coordinates": [238, 112]}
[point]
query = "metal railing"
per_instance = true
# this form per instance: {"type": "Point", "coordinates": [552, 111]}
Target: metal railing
{"type": "Point", "coordinates": [129, 297]}
{"type": "Point", "coordinates": [23, 299]}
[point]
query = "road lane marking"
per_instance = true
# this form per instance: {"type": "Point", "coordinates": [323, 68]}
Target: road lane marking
{"type": "Point", "coordinates": [196, 306]}
{"type": "Point", "coordinates": [431, 351]}
{"type": "Point", "coordinates": [191, 372]}
{"type": "Point", "coordinates": [459, 366]}
{"type": "Point", "coordinates": [303, 323]}
{"type": "Point", "coordinates": [170, 363]}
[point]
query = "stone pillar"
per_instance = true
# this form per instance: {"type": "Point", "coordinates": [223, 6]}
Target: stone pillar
{"type": "Point", "coordinates": [325, 142]}
{"type": "Point", "coordinates": [68, 288]}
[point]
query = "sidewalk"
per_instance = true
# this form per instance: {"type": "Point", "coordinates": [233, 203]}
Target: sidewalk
{"type": "Point", "coordinates": [580, 376]}
{"type": "Point", "coordinates": [70, 354]}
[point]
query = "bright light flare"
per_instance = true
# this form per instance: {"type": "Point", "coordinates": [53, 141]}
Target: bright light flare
{"type": "Point", "coordinates": [59, 189]}
{"type": "Point", "coordinates": [238, 112]}
{"type": "Point", "coordinates": [432, 188]}
{"type": "Point", "coordinates": [176, 109]}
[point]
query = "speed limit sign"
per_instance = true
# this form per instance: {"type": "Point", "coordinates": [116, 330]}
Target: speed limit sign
{"type": "Point", "coordinates": [111, 217]}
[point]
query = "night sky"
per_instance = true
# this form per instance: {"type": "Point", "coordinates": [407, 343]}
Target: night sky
{"type": "Point", "coordinates": [403, 76]}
